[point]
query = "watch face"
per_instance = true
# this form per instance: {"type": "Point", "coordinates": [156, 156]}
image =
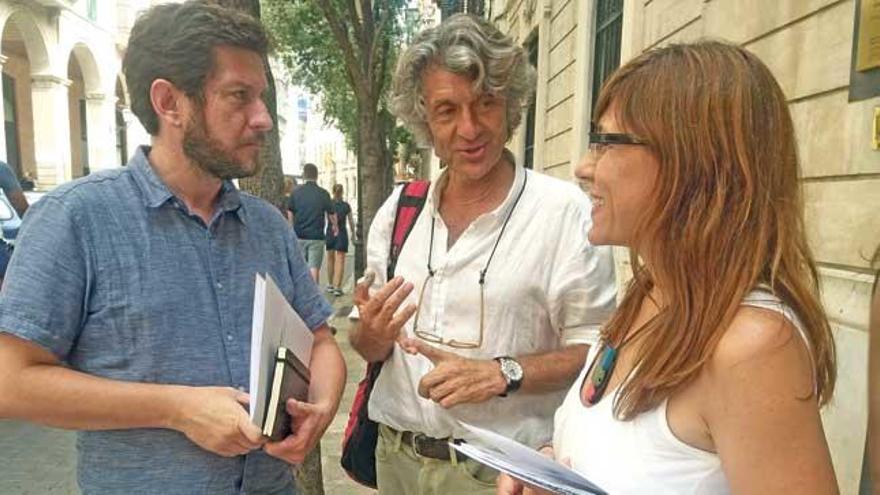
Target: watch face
{"type": "Point", "coordinates": [512, 370]}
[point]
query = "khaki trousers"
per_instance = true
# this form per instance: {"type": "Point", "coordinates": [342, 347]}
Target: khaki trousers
{"type": "Point", "coordinates": [400, 471]}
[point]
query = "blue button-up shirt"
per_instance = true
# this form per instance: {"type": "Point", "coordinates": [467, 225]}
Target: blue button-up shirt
{"type": "Point", "coordinates": [116, 277]}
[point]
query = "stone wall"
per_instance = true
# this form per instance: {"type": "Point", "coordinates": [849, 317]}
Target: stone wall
{"type": "Point", "coordinates": [808, 46]}
{"type": "Point", "coordinates": [38, 46]}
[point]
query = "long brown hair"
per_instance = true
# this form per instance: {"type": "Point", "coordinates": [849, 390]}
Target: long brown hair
{"type": "Point", "coordinates": [726, 215]}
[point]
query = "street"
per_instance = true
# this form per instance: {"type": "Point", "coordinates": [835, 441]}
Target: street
{"type": "Point", "coordinates": [40, 460]}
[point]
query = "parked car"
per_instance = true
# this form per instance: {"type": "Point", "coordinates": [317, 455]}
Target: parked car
{"type": "Point", "coordinates": [9, 220]}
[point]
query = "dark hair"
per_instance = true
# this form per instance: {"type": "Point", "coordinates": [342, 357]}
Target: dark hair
{"type": "Point", "coordinates": [310, 171]}
{"type": "Point", "coordinates": [176, 42]}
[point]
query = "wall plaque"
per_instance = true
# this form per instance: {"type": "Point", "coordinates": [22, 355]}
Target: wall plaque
{"type": "Point", "coordinates": [864, 73]}
{"type": "Point", "coordinates": [868, 50]}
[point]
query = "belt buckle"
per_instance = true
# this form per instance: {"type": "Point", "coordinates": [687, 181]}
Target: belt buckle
{"type": "Point", "coordinates": [415, 443]}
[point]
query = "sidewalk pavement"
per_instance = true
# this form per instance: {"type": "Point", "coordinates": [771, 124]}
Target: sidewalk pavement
{"type": "Point", "coordinates": [336, 482]}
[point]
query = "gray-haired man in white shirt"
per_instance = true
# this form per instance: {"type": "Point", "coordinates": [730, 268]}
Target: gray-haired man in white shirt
{"type": "Point", "coordinates": [497, 291]}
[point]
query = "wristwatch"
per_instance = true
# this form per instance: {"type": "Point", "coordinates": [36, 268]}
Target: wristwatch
{"type": "Point", "coordinates": [512, 372]}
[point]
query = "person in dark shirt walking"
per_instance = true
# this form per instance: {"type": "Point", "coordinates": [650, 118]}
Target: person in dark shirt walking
{"type": "Point", "coordinates": [337, 245]}
{"type": "Point", "coordinates": [306, 211]}
{"type": "Point", "coordinates": [13, 191]}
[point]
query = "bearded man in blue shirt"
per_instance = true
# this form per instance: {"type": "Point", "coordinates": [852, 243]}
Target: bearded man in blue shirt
{"type": "Point", "coordinates": [126, 311]}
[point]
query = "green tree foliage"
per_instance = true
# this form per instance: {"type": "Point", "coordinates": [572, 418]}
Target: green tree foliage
{"type": "Point", "coordinates": [345, 51]}
{"type": "Point", "coordinates": [314, 60]}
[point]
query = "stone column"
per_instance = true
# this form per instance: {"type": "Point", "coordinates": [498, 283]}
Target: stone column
{"type": "Point", "coordinates": [3, 149]}
{"type": "Point", "coordinates": [101, 131]}
{"type": "Point", "coordinates": [135, 133]}
{"type": "Point", "coordinates": [51, 130]}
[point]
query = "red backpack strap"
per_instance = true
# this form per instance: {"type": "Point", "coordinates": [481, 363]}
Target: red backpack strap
{"type": "Point", "coordinates": [409, 206]}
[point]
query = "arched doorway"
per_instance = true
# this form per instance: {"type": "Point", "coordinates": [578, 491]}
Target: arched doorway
{"type": "Point", "coordinates": [84, 86]}
{"type": "Point", "coordinates": [23, 53]}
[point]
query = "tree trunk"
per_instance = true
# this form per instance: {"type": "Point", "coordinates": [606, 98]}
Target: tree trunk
{"type": "Point", "coordinates": [269, 185]}
{"type": "Point", "coordinates": [371, 164]}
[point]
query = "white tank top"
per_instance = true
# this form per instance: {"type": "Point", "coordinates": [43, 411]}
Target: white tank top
{"type": "Point", "coordinates": [642, 455]}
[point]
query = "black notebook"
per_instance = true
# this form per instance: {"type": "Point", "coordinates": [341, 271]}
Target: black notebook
{"type": "Point", "coordinates": [290, 380]}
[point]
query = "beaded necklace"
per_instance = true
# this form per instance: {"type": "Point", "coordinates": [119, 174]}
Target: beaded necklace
{"type": "Point", "coordinates": [607, 358]}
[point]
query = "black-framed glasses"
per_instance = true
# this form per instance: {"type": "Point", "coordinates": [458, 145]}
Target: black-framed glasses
{"type": "Point", "coordinates": [599, 141]}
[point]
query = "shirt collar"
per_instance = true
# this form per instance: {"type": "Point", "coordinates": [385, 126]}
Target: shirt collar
{"type": "Point", "coordinates": [433, 201]}
{"type": "Point", "coordinates": [156, 193]}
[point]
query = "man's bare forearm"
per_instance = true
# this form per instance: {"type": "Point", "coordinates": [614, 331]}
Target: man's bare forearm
{"type": "Point", "coordinates": [328, 371]}
{"type": "Point", "coordinates": [553, 370]}
{"type": "Point", "coordinates": [63, 398]}
{"type": "Point", "coordinates": [34, 388]}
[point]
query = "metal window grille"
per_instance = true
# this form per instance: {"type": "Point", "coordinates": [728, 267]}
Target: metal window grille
{"type": "Point", "coordinates": [606, 52]}
{"type": "Point", "coordinates": [449, 7]}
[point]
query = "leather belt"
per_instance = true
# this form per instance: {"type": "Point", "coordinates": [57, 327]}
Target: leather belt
{"type": "Point", "coordinates": [432, 448]}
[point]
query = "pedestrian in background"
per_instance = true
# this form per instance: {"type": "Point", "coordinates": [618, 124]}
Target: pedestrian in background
{"type": "Point", "coordinates": [337, 245]}
{"type": "Point", "coordinates": [309, 210]}
{"type": "Point", "coordinates": [289, 185]}
{"type": "Point", "coordinates": [127, 308]}
{"type": "Point", "coordinates": [12, 189]}
{"type": "Point", "coordinates": [13, 192]}
{"type": "Point", "coordinates": [508, 291]}
{"type": "Point", "coordinates": [710, 376]}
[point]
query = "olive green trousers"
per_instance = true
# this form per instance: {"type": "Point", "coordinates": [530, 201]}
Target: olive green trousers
{"type": "Point", "coordinates": [400, 471]}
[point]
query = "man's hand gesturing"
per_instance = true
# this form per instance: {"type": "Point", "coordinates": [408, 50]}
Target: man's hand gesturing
{"type": "Point", "coordinates": [380, 320]}
{"type": "Point", "coordinates": [456, 380]}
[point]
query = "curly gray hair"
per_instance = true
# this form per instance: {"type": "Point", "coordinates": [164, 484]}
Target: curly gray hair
{"type": "Point", "coordinates": [462, 44]}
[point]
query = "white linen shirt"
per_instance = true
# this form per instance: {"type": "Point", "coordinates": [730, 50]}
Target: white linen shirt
{"type": "Point", "coordinates": [545, 287]}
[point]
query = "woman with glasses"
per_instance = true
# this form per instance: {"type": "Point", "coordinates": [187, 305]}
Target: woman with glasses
{"type": "Point", "coordinates": [710, 376]}
{"type": "Point", "coordinates": [496, 291]}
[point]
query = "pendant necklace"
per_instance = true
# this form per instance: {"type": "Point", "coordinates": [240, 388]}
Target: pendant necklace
{"type": "Point", "coordinates": [607, 358]}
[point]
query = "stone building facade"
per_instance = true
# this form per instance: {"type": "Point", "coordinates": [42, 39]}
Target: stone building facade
{"type": "Point", "coordinates": [65, 106]}
{"type": "Point", "coordinates": [808, 44]}
{"type": "Point", "coordinates": [307, 138]}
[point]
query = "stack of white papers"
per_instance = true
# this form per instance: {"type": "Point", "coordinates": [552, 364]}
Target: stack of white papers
{"type": "Point", "coordinates": [275, 324]}
{"type": "Point", "coordinates": [523, 463]}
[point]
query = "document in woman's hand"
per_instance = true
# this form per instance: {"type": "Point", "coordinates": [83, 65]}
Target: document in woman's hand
{"type": "Point", "coordinates": [523, 463]}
